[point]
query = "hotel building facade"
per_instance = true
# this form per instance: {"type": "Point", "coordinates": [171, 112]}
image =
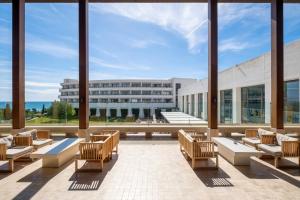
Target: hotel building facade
{"type": "Point", "coordinates": [244, 94]}
{"type": "Point", "coordinates": [130, 97]}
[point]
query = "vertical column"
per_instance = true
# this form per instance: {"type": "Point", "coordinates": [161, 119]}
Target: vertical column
{"type": "Point", "coordinates": [277, 71]}
{"type": "Point", "coordinates": [119, 112]}
{"type": "Point", "coordinates": [83, 65]}
{"type": "Point", "coordinates": [196, 113]}
{"type": "Point", "coordinates": [190, 105]}
{"type": "Point", "coordinates": [236, 105]}
{"type": "Point", "coordinates": [141, 113]}
{"type": "Point", "coordinates": [18, 64]}
{"type": "Point", "coordinates": [212, 68]}
{"type": "Point", "coordinates": [204, 106]}
{"type": "Point", "coordinates": [107, 112]}
{"type": "Point", "coordinates": [129, 112]}
{"type": "Point", "coordinates": [97, 112]}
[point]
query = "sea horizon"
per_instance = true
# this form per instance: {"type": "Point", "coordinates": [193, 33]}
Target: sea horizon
{"type": "Point", "coordinates": [38, 105]}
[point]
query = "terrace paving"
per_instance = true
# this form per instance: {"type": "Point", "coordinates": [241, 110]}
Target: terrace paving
{"type": "Point", "coordinates": [151, 169]}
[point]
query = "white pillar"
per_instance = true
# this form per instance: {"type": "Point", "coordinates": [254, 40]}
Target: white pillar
{"type": "Point", "coordinates": [97, 112]}
{"type": "Point", "coordinates": [190, 105]}
{"type": "Point", "coordinates": [107, 112]}
{"type": "Point", "coordinates": [185, 104]}
{"type": "Point", "coordinates": [196, 114]}
{"type": "Point", "coordinates": [152, 112]}
{"type": "Point", "coordinates": [119, 112]}
{"type": "Point", "coordinates": [237, 105]}
{"type": "Point", "coordinates": [129, 113]}
{"type": "Point", "coordinates": [219, 106]}
{"type": "Point", "coordinates": [204, 105]}
{"type": "Point", "coordinates": [267, 102]}
{"type": "Point", "coordinates": [141, 113]}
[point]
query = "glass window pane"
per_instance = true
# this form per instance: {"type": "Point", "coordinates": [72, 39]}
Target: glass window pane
{"type": "Point", "coordinates": [5, 64]}
{"type": "Point", "coordinates": [253, 104]}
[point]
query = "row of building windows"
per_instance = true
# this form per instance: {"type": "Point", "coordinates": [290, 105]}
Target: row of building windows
{"type": "Point", "coordinates": [116, 100]}
{"type": "Point", "coordinates": [118, 85]}
{"type": "Point", "coordinates": [252, 104]}
{"type": "Point", "coordinates": [121, 92]}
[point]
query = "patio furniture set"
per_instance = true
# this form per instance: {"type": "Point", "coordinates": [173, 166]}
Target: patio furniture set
{"type": "Point", "coordinates": [255, 143]}
{"type": "Point", "coordinates": [36, 144]}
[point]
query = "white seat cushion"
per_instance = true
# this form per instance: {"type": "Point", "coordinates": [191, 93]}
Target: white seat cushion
{"type": "Point", "coordinates": [32, 133]}
{"type": "Point", "coordinates": [274, 150]}
{"type": "Point", "coordinates": [16, 152]}
{"type": "Point", "coordinates": [251, 141]}
{"type": "Point", "coordinates": [280, 137]}
{"type": "Point", "coordinates": [41, 142]}
{"type": "Point", "coordinates": [7, 140]}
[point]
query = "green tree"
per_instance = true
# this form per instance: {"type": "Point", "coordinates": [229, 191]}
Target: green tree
{"type": "Point", "coordinates": [61, 110]}
{"type": "Point", "coordinates": [7, 112]}
{"type": "Point", "coordinates": [1, 114]}
{"type": "Point", "coordinates": [43, 109]}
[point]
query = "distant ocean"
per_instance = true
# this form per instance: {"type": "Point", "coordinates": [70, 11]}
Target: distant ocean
{"type": "Point", "coordinates": [30, 104]}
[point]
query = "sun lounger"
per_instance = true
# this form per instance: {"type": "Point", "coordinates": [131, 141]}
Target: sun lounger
{"type": "Point", "coordinates": [39, 138]}
{"type": "Point", "coordinates": [280, 146]}
{"type": "Point", "coordinates": [12, 148]}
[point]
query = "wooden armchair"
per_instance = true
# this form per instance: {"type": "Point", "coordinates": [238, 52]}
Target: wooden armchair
{"type": "Point", "coordinates": [96, 151]}
{"type": "Point", "coordinates": [197, 149]}
{"type": "Point", "coordinates": [288, 148]}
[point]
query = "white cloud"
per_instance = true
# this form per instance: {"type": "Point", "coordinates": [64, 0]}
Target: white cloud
{"type": "Point", "coordinates": [41, 84]}
{"type": "Point", "coordinates": [234, 45]}
{"type": "Point", "coordinates": [145, 43]}
{"type": "Point", "coordinates": [51, 48]}
{"type": "Point", "coordinates": [188, 20]}
{"type": "Point", "coordinates": [5, 35]}
{"type": "Point", "coordinates": [41, 95]}
{"type": "Point", "coordinates": [101, 63]}
{"type": "Point", "coordinates": [185, 19]}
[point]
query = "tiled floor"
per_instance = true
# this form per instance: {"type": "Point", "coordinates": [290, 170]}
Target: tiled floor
{"type": "Point", "coordinates": [151, 170]}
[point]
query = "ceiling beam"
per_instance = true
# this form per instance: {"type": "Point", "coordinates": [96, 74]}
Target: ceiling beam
{"type": "Point", "coordinates": [151, 1]}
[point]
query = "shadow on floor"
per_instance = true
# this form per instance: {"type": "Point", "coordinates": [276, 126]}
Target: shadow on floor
{"type": "Point", "coordinates": [209, 174]}
{"type": "Point", "coordinates": [18, 165]}
{"type": "Point", "coordinates": [213, 177]}
{"type": "Point", "coordinates": [91, 180]}
{"type": "Point", "coordinates": [264, 169]}
{"type": "Point", "coordinates": [37, 180]}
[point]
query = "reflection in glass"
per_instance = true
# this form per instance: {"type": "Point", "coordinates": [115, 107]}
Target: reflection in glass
{"type": "Point", "coordinates": [291, 101]}
{"type": "Point", "coordinates": [253, 104]}
{"type": "Point", "coordinates": [226, 106]}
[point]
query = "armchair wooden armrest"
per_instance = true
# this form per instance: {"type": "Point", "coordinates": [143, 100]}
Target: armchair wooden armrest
{"type": "Point", "coordinates": [250, 133]}
{"type": "Point", "coordinates": [22, 141]}
{"type": "Point", "coordinates": [43, 134]}
{"type": "Point", "coordinates": [95, 138]}
{"type": "Point", "coordinates": [290, 148]}
{"type": "Point", "coordinates": [3, 151]}
{"type": "Point", "coordinates": [268, 139]}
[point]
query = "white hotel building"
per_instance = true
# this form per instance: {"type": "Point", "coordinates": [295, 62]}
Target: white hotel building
{"type": "Point", "coordinates": [245, 91]}
{"type": "Point", "coordinates": [130, 97]}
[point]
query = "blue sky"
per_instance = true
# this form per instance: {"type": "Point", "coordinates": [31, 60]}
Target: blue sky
{"type": "Point", "coordinates": [134, 41]}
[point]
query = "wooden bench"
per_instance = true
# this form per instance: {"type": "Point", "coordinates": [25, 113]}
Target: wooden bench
{"type": "Point", "coordinates": [197, 149]}
{"type": "Point", "coordinates": [59, 153]}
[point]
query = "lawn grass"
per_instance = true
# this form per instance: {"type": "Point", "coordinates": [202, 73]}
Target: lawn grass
{"type": "Point", "coordinates": [44, 120]}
